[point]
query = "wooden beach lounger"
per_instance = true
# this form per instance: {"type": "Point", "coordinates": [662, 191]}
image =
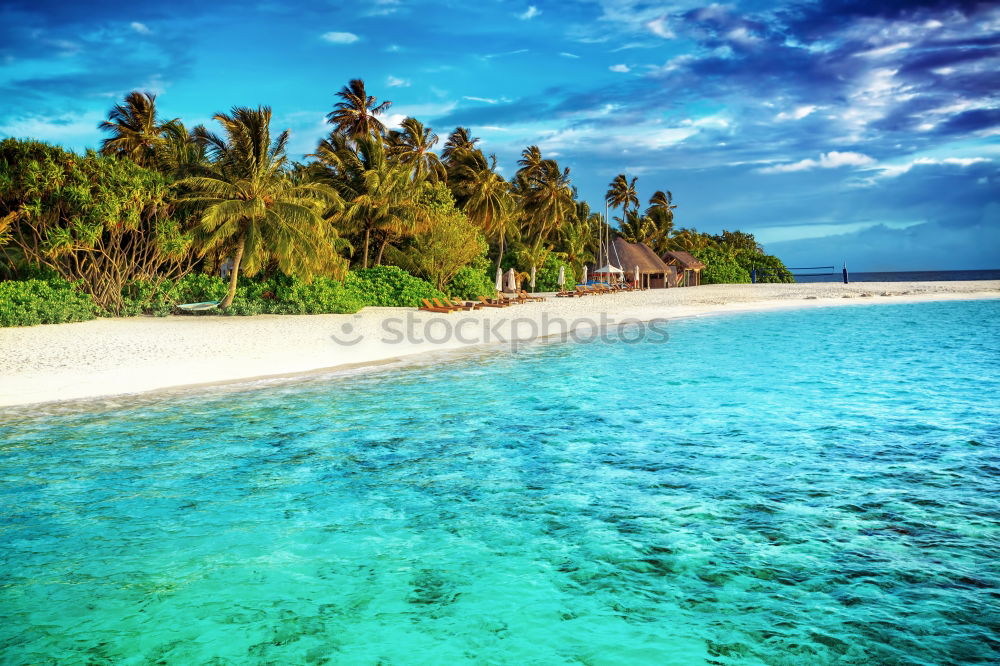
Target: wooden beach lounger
{"type": "Point", "coordinates": [449, 305]}
{"type": "Point", "coordinates": [464, 305]}
{"type": "Point", "coordinates": [528, 297]}
{"type": "Point", "coordinates": [430, 308]}
{"type": "Point", "coordinates": [488, 304]}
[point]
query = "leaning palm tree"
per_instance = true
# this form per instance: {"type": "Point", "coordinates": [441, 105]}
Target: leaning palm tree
{"type": "Point", "coordinates": [250, 206]}
{"type": "Point", "coordinates": [412, 145]}
{"type": "Point", "coordinates": [356, 114]}
{"type": "Point", "coordinates": [135, 130]}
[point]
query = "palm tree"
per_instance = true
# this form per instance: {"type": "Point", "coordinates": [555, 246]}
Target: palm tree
{"type": "Point", "coordinates": [636, 228]}
{"type": "Point", "coordinates": [459, 141]}
{"type": "Point", "coordinates": [577, 237]}
{"type": "Point", "coordinates": [136, 131]}
{"type": "Point", "coordinates": [661, 215]}
{"type": "Point", "coordinates": [355, 115]}
{"type": "Point", "coordinates": [412, 146]}
{"type": "Point", "coordinates": [531, 163]}
{"type": "Point", "coordinates": [250, 205]}
{"type": "Point", "coordinates": [181, 152]}
{"type": "Point", "coordinates": [549, 200]}
{"type": "Point", "coordinates": [622, 193]}
{"type": "Point", "coordinates": [689, 240]}
{"type": "Point", "coordinates": [488, 201]}
{"type": "Point", "coordinates": [381, 199]}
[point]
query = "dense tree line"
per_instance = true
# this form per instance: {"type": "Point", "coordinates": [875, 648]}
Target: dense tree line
{"type": "Point", "coordinates": [161, 200]}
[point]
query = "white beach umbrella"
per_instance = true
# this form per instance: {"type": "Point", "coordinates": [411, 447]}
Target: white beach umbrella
{"type": "Point", "coordinates": [511, 281]}
{"type": "Point", "coordinates": [562, 276]}
{"type": "Point", "coordinates": [637, 274]}
{"type": "Point", "coordinates": [584, 275]}
{"type": "Point", "coordinates": [499, 283]}
{"type": "Point", "coordinates": [532, 278]}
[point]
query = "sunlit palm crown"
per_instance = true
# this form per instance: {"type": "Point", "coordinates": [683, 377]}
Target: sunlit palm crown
{"type": "Point", "coordinates": [356, 115]}
{"type": "Point", "coordinates": [251, 206]}
{"type": "Point", "coordinates": [135, 129]}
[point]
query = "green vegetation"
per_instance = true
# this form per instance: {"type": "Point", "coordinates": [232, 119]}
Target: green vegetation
{"type": "Point", "coordinates": [373, 217]}
{"type": "Point", "coordinates": [53, 301]}
{"type": "Point", "coordinates": [389, 286]}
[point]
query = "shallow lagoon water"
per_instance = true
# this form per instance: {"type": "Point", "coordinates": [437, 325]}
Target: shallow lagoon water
{"type": "Point", "coordinates": [803, 487]}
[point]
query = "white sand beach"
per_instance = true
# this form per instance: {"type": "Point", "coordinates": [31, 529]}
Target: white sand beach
{"type": "Point", "coordinates": [107, 357]}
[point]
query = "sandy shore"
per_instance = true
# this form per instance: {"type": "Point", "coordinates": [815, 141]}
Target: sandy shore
{"type": "Point", "coordinates": [119, 356]}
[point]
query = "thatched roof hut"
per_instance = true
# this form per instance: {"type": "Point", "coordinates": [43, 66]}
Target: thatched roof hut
{"type": "Point", "coordinates": [688, 268]}
{"type": "Point", "coordinates": [653, 272]}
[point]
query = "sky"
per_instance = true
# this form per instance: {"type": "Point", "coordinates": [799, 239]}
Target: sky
{"type": "Point", "coordinates": [858, 131]}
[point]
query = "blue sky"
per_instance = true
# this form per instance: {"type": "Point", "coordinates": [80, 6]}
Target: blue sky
{"type": "Point", "coordinates": [834, 129]}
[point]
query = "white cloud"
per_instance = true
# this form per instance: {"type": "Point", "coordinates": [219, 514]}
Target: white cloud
{"type": "Point", "coordinates": [660, 28]}
{"type": "Point", "coordinates": [490, 56]}
{"type": "Point", "coordinates": [54, 128]}
{"type": "Point", "coordinates": [798, 113]}
{"type": "Point", "coordinates": [894, 170]}
{"type": "Point", "coordinates": [672, 65]}
{"type": "Point", "coordinates": [641, 138]}
{"type": "Point", "coordinates": [831, 160]}
{"type": "Point", "coordinates": [484, 100]}
{"type": "Point", "coordinates": [140, 28]}
{"type": "Point", "coordinates": [394, 82]}
{"type": "Point", "coordinates": [394, 120]}
{"type": "Point", "coordinates": [340, 37]}
{"type": "Point", "coordinates": [742, 36]}
{"type": "Point", "coordinates": [530, 13]}
{"type": "Point", "coordinates": [565, 54]}
{"type": "Point", "coordinates": [882, 51]}
{"type": "Point", "coordinates": [620, 68]}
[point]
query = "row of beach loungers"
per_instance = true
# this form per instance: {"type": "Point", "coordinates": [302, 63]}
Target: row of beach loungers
{"type": "Point", "coordinates": [446, 305]}
{"type": "Point", "coordinates": [586, 290]}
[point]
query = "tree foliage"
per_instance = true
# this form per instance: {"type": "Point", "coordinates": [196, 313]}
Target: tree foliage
{"type": "Point", "coordinates": [98, 221]}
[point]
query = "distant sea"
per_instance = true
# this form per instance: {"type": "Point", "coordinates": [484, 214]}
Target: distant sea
{"type": "Point", "coordinates": [903, 276]}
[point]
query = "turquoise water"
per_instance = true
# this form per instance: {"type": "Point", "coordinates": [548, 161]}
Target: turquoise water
{"type": "Point", "coordinates": [803, 487]}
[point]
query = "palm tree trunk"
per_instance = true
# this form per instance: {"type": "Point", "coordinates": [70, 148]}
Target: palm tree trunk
{"type": "Point", "coordinates": [364, 258]}
{"type": "Point", "coordinates": [500, 254]}
{"type": "Point", "coordinates": [381, 249]}
{"type": "Point", "coordinates": [237, 258]}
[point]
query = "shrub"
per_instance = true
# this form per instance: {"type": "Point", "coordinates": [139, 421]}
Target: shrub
{"type": "Point", "coordinates": [474, 280]}
{"type": "Point", "coordinates": [278, 294]}
{"type": "Point", "coordinates": [720, 268]}
{"type": "Point", "coordinates": [52, 301]}
{"type": "Point", "coordinates": [769, 268]}
{"type": "Point", "coordinates": [547, 277]}
{"type": "Point", "coordinates": [389, 286]}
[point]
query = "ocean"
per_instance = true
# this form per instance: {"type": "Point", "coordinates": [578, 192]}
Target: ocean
{"type": "Point", "coordinates": [902, 276]}
{"type": "Point", "coordinates": [815, 486]}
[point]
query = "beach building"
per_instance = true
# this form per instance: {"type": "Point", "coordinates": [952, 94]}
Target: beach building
{"type": "Point", "coordinates": [688, 268]}
{"type": "Point", "coordinates": [653, 272]}
{"type": "Point", "coordinates": [635, 263]}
